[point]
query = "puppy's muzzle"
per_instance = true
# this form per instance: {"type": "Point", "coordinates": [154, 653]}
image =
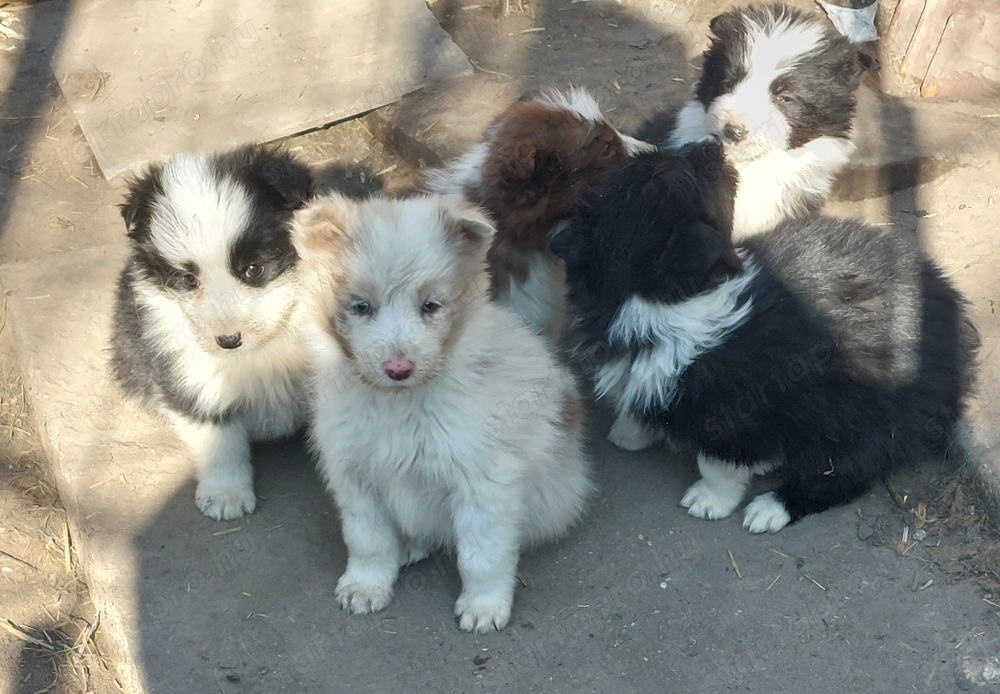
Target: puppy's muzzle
{"type": "Point", "coordinates": [734, 133]}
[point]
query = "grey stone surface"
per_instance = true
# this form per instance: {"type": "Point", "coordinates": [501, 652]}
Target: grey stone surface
{"type": "Point", "coordinates": [212, 75]}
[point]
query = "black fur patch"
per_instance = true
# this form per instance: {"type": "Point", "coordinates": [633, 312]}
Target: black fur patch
{"type": "Point", "coordinates": [821, 86]}
{"type": "Point", "coordinates": [652, 265]}
{"type": "Point", "coordinates": [804, 378]}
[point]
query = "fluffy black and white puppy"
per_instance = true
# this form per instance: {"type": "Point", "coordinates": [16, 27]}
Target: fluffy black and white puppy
{"type": "Point", "coordinates": [207, 327]}
{"type": "Point", "coordinates": [777, 86]}
{"type": "Point", "coordinates": [830, 349]}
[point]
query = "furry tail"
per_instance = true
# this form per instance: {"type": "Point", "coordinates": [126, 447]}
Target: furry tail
{"type": "Point", "coordinates": [900, 427]}
{"type": "Point", "coordinates": [946, 358]}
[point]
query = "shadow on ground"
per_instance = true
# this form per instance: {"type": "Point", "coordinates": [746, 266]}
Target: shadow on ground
{"type": "Point", "coordinates": [638, 597]}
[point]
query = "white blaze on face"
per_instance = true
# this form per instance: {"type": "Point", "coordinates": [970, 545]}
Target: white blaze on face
{"type": "Point", "coordinates": [197, 221]}
{"type": "Point", "coordinates": [769, 53]}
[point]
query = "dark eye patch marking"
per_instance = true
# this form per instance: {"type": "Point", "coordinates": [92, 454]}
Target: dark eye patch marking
{"type": "Point", "coordinates": [264, 249]}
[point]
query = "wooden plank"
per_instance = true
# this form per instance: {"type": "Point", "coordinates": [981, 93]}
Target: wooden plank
{"type": "Point", "coordinates": [149, 79]}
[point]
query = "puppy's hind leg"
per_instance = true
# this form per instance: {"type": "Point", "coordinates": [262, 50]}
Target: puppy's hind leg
{"type": "Point", "coordinates": [809, 487]}
{"type": "Point", "coordinates": [225, 474]}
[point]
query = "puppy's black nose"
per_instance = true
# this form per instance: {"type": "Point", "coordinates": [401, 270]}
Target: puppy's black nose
{"type": "Point", "coordinates": [229, 341]}
{"type": "Point", "coordinates": [733, 132]}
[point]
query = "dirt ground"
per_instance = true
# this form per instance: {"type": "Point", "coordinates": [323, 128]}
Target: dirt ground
{"type": "Point", "coordinates": [50, 636]}
{"type": "Point", "coordinates": [47, 619]}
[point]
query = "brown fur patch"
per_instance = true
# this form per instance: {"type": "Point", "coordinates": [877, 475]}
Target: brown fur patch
{"type": "Point", "coordinates": [474, 284]}
{"type": "Point", "coordinates": [330, 324]}
{"type": "Point", "coordinates": [507, 261]}
{"type": "Point", "coordinates": [541, 163]}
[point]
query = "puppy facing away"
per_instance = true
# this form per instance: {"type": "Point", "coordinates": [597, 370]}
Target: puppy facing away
{"type": "Point", "coordinates": [441, 421]}
{"type": "Point", "coordinates": [537, 158]}
{"type": "Point", "coordinates": [207, 325]}
{"type": "Point", "coordinates": [778, 88]}
{"type": "Point", "coordinates": [834, 351]}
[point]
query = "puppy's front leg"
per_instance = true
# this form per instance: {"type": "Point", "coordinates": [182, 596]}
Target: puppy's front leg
{"type": "Point", "coordinates": [374, 554]}
{"type": "Point", "coordinates": [488, 545]}
{"type": "Point", "coordinates": [630, 434]}
{"type": "Point", "coordinates": [222, 458]}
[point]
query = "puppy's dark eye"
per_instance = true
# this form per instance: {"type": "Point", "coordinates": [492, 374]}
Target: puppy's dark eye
{"type": "Point", "coordinates": [361, 308]}
{"type": "Point", "coordinates": [430, 306]}
{"type": "Point", "coordinates": [728, 84]}
{"type": "Point", "coordinates": [785, 98]}
{"type": "Point", "coordinates": [253, 272]}
{"type": "Point", "coordinates": [190, 280]}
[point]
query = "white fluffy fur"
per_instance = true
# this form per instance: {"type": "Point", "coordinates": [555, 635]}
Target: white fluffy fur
{"type": "Point", "coordinates": [765, 514]}
{"type": "Point", "coordinates": [679, 332]}
{"type": "Point", "coordinates": [720, 489]}
{"type": "Point", "coordinates": [771, 51]}
{"type": "Point", "coordinates": [471, 452]}
{"type": "Point", "coordinates": [630, 434]}
{"type": "Point", "coordinates": [463, 174]}
{"type": "Point", "coordinates": [197, 219]}
{"type": "Point", "coordinates": [540, 300]}
{"type": "Point", "coordinates": [776, 185]}
{"type": "Point", "coordinates": [581, 103]}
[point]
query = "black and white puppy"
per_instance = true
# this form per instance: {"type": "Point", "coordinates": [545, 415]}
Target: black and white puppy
{"type": "Point", "coordinates": [207, 327]}
{"type": "Point", "coordinates": [778, 87]}
{"type": "Point", "coordinates": [832, 350]}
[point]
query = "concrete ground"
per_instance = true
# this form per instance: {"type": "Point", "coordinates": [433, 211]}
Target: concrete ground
{"type": "Point", "coordinates": [899, 591]}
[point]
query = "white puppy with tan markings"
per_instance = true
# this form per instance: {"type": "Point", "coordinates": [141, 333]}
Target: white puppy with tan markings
{"type": "Point", "coordinates": [440, 420]}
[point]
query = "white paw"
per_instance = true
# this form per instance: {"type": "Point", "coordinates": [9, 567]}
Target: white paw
{"type": "Point", "coordinates": [765, 514]}
{"type": "Point", "coordinates": [483, 613]}
{"type": "Point", "coordinates": [702, 501]}
{"type": "Point", "coordinates": [360, 595]}
{"type": "Point", "coordinates": [225, 502]}
{"type": "Point", "coordinates": [632, 435]}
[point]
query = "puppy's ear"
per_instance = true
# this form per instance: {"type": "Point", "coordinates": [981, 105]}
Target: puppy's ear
{"type": "Point", "coordinates": [468, 226]}
{"type": "Point", "coordinates": [273, 174]}
{"type": "Point", "coordinates": [726, 26]}
{"type": "Point", "coordinates": [136, 210]}
{"type": "Point", "coordinates": [868, 59]}
{"type": "Point", "coordinates": [319, 230]}
{"type": "Point", "coordinates": [519, 161]}
{"type": "Point", "coordinates": [706, 160]}
{"type": "Point", "coordinates": [602, 145]}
